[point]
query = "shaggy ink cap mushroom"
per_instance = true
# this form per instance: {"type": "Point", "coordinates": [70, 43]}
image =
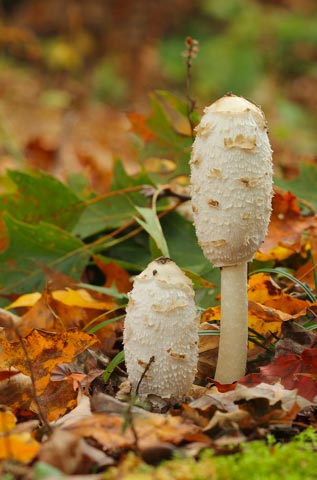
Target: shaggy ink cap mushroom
{"type": "Point", "coordinates": [161, 324]}
{"type": "Point", "coordinates": [231, 178]}
{"type": "Point", "coordinates": [231, 187]}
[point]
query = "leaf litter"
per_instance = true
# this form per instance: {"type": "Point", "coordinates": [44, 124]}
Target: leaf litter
{"type": "Point", "coordinates": [57, 410]}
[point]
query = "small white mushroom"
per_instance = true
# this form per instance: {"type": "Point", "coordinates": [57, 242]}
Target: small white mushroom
{"type": "Point", "coordinates": [161, 332]}
{"type": "Point", "coordinates": [231, 178]}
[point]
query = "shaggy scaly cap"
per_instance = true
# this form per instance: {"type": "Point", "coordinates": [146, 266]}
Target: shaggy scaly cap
{"type": "Point", "coordinates": [161, 322]}
{"type": "Point", "coordinates": [231, 178]}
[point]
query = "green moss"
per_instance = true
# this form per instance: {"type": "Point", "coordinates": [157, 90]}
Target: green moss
{"type": "Point", "coordinates": [257, 461]}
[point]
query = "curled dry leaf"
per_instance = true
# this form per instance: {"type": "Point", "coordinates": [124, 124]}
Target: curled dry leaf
{"type": "Point", "coordinates": [151, 429]}
{"type": "Point", "coordinates": [243, 408]}
{"type": "Point", "coordinates": [293, 371]}
{"type": "Point", "coordinates": [71, 454]}
{"type": "Point", "coordinates": [295, 339]}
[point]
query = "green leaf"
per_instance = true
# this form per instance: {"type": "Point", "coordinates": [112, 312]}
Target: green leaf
{"type": "Point", "coordinates": [119, 358]}
{"type": "Point", "coordinates": [153, 227]}
{"type": "Point", "coordinates": [304, 186]}
{"type": "Point", "coordinates": [160, 124]}
{"type": "Point", "coordinates": [41, 197]}
{"type": "Point", "coordinates": [112, 291]}
{"type": "Point", "coordinates": [43, 470]}
{"type": "Point", "coordinates": [168, 143]}
{"type": "Point", "coordinates": [184, 249]}
{"type": "Point", "coordinates": [111, 212]}
{"type": "Point", "coordinates": [177, 104]}
{"type": "Point", "coordinates": [31, 246]}
{"type": "Point", "coordinates": [100, 325]}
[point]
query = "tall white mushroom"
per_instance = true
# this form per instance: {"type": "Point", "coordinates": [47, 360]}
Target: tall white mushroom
{"type": "Point", "coordinates": [161, 332]}
{"type": "Point", "coordinates": [231, 183]}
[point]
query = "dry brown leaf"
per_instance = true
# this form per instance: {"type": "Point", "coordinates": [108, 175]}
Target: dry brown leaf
{"type": "Point", "coordinates": [151, 429]}
{"type": "Point", "coordinates": [71, 454]}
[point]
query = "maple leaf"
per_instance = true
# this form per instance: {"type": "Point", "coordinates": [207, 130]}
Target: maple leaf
{"type": "Point", "coordinates": [44, 352]}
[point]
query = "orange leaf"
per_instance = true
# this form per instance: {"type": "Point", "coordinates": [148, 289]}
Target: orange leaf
{"type": "Point", "coordinates": [263, 291]}
{"type": "Point", "coordinates": [139, 126]}
{"type": "Point", "coordinates": [268, 306]}
{"type": "Point", "coordinates": [57, 399]}
{"type": "Point", "coordinates": [7, 421]}
{"type": "Point", "coordinates": [44, 352]}
{"type": "Point", "coordinates": [114, 275]}
{"type": "Point", "coordinates": [285, 229]}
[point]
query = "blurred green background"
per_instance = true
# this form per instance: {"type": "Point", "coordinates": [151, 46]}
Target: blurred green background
{"type": "Point", "coordinates": [100, 57]}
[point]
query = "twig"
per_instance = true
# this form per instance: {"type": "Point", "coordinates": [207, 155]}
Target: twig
{"type": "Point", "coordinates": [129, 420]}
{"type": "Point", "coordinates": [190, 53]}
{"type": "Point", "coordinates": [152, 359]}
{"type": "Point", "coordinates": [42, 416]}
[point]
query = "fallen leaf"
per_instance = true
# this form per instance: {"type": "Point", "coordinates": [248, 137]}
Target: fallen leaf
{"type": "Point", "coordinates": [44, 352]}
{"type": "Point", "coordinates": [232, 413]}
{"type": "Point", "coordinates": [295, 339]}
{"type": "Point", "coordinates": [286, 227]}
{"type": "Point", "coordinates": [26, 300]}
{"type": "Point", "coordinates": [56, 400]}
{"type": "Point", "coordinates": [20, 447]}
{"type": "Point", "coordinates": [262, 290]}
{"type": "Point", "coordinates": [293, 371]}
{"type": "Point", "coordinates": [71, 454]}
{"type": "Point", "coordinates": [81, 298]}
{"type": "Point", "coordinates": [7, 421]}
{"type": "Point", "coordinates": [114, 274]}
{"type": "Point", "coordinates": [108, 430]}
{"type": "Point", "coordinates": [16, 393]}
{"type": "Point", "coordinates": [208, 349]}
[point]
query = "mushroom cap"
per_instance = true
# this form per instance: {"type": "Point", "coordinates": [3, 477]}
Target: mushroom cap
{"type": "Point", "coordinates": [161, 322]}
{"type": "Point", "coordinates": [231, 180]}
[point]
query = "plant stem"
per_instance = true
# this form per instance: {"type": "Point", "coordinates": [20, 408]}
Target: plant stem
{"type": "Point", "coordinates": [233, 346]}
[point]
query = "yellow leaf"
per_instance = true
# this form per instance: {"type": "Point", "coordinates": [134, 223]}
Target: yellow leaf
{"type": "Point", "coordinates": [7, 421]}
{"type": "Point", "coordinates": [26, 300]}
{"type": "Point", "coordinates": [20, 447]}
{"type": "Point", "coordinates": [80, 298]}
{"type": "Point", "coordinates": [276, 253]}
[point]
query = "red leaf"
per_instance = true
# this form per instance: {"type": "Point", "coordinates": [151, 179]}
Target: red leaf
{"type": "Point", "coordinates": [292, 370]}
{"type": "Point", "coordinates": [5, 374]}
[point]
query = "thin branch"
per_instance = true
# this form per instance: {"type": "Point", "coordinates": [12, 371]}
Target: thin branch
{"type": "Point", "coordinates": [152, 359]}
{"type": "Point", "coordinates": [41, 415]}
{"type": "Point", "coordinates": [190, 53]}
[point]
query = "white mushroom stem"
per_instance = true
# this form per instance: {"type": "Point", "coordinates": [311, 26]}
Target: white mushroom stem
{"type": "Point", "coordinates": [234, 324]}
